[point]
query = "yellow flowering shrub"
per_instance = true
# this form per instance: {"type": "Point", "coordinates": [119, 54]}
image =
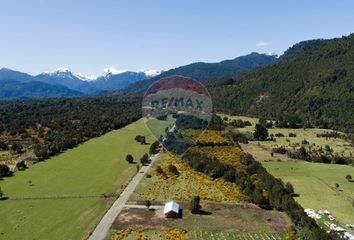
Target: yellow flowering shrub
{"type": "Point", "coordinates": [189, 183]}
{"type": "Point", "coordinates": [230, 155]}
{"type": "Point", "coordinates": [176, 234]}
{"type": "Point", "coordinates": [207, 137]}
{"type": "Point", "coordinates": [124, 233]}
{"type": "Point", "coordinates": [121, 234]}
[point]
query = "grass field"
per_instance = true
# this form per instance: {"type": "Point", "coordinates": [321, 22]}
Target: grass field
{"type": "Point", "coordinates": [93, 168]}
{"type": "Point", "coordinates": [315, 182]}
{"type": "Point", "coordinates": [157, 127]}
{"type": "Point", "coordinates": [339, 146]}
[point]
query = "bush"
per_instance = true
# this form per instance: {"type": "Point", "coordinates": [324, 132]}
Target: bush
{"type": "Point", "coordinates": [21, 165]}
{"type": "Point", "coordinates": [280, 150]}
{"type": "Point", "coordinates": [289, 188]}
{"type": "Point", "coordinates": [162, 117]}
{"type": "Point", "coordinates": [348, 177]}
{"type": "Point", "coordinates": [129, 158]}
{"type": "Point", "coordinates": [140, 139]}
{"type": "Point", "coordinates": [1, 193]}
{"type": "Point", "coordinates": [238, 136]}
{"type": "Point", "coordinates": [172, 169]}
{"type": "Point", "coordinates": [16, 148]}
{"type": "Point", "coordinates": [4, 171]}
{"type": "Point", "coordinates": [292, 134]}
{"type": "Point", "coordinates": [144, 159]}
{"type": "Point", "coordinates": [154, 148]}
{"type": "Point", "coordinates": [3, 146]}
{"type": "Point", "coordinates": [260, 133]}
{"type": "Point", "coordinates": [159, 170]}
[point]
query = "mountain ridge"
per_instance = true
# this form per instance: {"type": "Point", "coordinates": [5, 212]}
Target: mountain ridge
{"type": "Point", "coordinates": [311, 83]}
{"type": "Point", "coordinates": [203, 72]}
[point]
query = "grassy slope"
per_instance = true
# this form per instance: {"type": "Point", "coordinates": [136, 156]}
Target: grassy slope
{"type": "Point", "coordinates": [315, 184]}
{"type": "Point", "coordinates": [95, 167]}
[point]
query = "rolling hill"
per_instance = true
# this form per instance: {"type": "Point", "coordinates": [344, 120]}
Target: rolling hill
{"type": "Point", "coordinates": [312, 84]}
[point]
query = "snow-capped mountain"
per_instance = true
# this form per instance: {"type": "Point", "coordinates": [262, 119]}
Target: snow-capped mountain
{"type": "Point", "coordinates": [110, 80]}
{"type": "Point", "coordinates": [68, 79]}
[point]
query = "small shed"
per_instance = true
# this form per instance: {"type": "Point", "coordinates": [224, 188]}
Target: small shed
{"type": "Point", "coordinates": [171, 210]}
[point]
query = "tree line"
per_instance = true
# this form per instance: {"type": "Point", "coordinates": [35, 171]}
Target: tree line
{"type": "Point", "coordinates": [50, 126]}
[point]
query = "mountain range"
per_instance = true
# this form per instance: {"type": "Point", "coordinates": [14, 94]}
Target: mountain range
{"type": "Point", "coordinates": [62, 83]}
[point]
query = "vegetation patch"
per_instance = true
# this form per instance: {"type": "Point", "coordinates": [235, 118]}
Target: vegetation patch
{"type": "Point", "coordinates": [64, 197]}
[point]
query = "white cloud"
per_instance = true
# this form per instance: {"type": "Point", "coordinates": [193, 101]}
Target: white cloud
{"type": "Point", "coordinates": [262, 44]}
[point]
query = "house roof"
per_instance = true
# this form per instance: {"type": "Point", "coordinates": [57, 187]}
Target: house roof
{"type": "Point", "coordinates": [171, 206]}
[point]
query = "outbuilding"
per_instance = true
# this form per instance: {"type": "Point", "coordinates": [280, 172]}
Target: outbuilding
{"type": "Point", "coordinates": [171, 210]}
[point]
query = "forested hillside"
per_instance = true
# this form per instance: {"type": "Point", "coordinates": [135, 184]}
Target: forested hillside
{"type": "Point", "coordinates": [311, 84]}
{"type": "Point", "coordinates": [10, 89]}
{"type": "Point", "coordinates": [205, 71]}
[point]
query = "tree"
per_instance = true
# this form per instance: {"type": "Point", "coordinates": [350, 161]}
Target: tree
{"type": "Point", "coordinates": [289, 188]}
{"type": "Point", "coordinates": [195, 205]}
{"type": "Point", "coordinates": [16, 148]}
{"type": "Point", "coordinates": [21, 165]}
{"type": "Point", "coordinates": [144, 159]}
{"type": "Point", "coordinates": [348, 177]}
{"type": "Point", "coordinates": [147, 204]}
{"type": "Point", "coordinates": [1, 193]}
{"type": "Point", "coordinates": [129, 158]}
{"type": "Point", "coordinates": [154, 147]}
{"type": "Point", "coordinates": [337, 185]}
{"type": "Point", "coordinates": [260, 133]}
{"type": "Point", "coordinates": [141, 139]}
{"type": "Point", "coordinates": [3, 146]}
{"type": "Point", "coordinates": [4, 170]}
{"type": "Point", "coordinates": [303, 153]}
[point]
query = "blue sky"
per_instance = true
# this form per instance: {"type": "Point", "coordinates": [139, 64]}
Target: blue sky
{"type": "Point", "coordinates": [88, 36]}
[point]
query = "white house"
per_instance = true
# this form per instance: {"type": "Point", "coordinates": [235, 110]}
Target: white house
{"type": "Point", "coordinates": [171, 210]}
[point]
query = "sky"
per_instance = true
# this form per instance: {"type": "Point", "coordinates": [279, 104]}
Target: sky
{"type": "Point", "coordinates": [87, 36]}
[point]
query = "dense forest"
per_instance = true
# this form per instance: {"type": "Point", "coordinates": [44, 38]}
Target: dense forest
{"type": "Point", "coordinates": [310, 85]}
{"type": "Point", "coordinates": [49, 126]}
